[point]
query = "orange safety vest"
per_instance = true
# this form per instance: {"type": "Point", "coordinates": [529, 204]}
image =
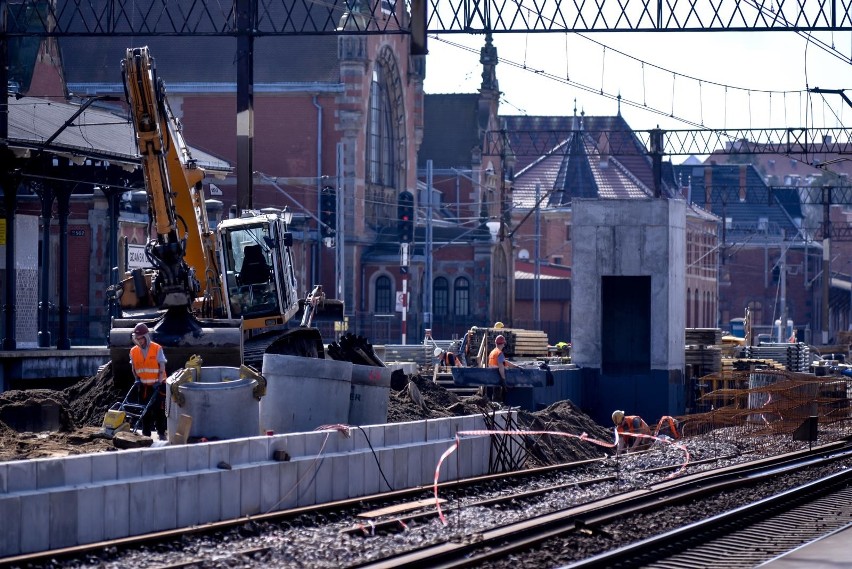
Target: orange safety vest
{"type": "Point", "coordinates": [667, 423]}
{"type": "Point", "coordinates": [493, 357]}
{"type": "Point", "coordinates": [643, 427]}
{"type": "Point", "coordinates": [146, 368]}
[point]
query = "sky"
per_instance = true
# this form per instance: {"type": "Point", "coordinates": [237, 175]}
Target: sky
{"type": "Point", "coordinates": [675, 80]}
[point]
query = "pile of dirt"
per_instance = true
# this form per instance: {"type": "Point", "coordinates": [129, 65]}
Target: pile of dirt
{"type": "Point", "coordinates": [90, 398]}
{"type": "Point", "coordinates": [562, 417]}
{"type": "Point", "coordinates": [28, 445]}
{"type": "Point", "coordinates": [73, 418]}
{"type": "Point", "coordinates": [419, 398]}
{"type": "Point", "coordinates": [565, 418]}
{"type": "Point", "coordinates": [35, 410]}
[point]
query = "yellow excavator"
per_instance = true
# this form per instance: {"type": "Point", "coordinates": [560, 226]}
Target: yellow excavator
{"type": "Point", "coordinates": [226, 295]}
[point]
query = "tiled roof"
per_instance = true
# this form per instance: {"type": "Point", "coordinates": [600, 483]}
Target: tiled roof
{"type": "Point", "coordinates": [96, 133]}
{"type": "Point", "coordinates": [451, 131]}
{"type": "Point", "coordinates": [578, 166]}
{"type": "Point", "coordinates": [182, 60]}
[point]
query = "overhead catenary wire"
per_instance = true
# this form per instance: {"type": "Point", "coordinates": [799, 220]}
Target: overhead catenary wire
{"type": "Point", "coordinates": [644, 104]}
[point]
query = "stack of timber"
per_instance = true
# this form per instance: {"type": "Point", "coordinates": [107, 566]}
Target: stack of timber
{"type": "Point", "coordinates": [704, 359]}
{"type": "Point", "coordinates": [703, 354]}
{"type": "Point", "coordinates": [703, 336]}
{"type": "Point", "coordinates": [422, 354]}
{"type": "Point", "coordinates": [734, 374]}
{"type": "Point", "coordinates": [520, 343]}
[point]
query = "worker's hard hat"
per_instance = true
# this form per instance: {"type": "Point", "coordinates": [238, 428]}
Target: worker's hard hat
{"type": "Point", "coordinates": [500, 339]}
{"type": "Point", "coordinates": [438, 352]}
{"type": "Point", "coordinates": [140, 330]}
{"type": "Point", "coordinates": [498, 324]}
{"type": "Point", "coordinates": [617, 417]}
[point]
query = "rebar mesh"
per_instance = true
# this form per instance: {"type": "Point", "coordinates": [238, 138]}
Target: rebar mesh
{"type": "Point", "coordinates": [770, 403]}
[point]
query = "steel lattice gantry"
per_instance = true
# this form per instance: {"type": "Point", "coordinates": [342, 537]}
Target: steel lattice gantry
{"type": "Point", "coordinates": [246, 20]}
{"type": "Point", "coordinates": [277, 17]}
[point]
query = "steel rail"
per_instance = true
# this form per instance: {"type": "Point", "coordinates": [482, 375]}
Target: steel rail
{"type": "Point", "coordinates": [499, 542]}
{"type": "Point", "coordinates": [397, 523]}
{"type": "Point", "coordinates": [658, 548]}
{"type": "Point", "coordinates": [328, 507]}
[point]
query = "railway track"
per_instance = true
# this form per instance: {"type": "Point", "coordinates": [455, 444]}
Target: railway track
{"type": "Point", "coordinates": [264, 540]}
{"type": "Point", "coordinates": [747, 536]}
{"type": "Point", "coordinates": [511, 540]}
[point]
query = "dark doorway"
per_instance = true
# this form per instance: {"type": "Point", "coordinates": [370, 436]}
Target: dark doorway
{"type": "Point", "coordinates": [626, 326]}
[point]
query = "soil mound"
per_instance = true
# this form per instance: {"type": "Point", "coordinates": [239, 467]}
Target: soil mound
{"type": "Point", "coordinates": [90, 398]}
{"type": "Point", "coordinates": [39, 423]}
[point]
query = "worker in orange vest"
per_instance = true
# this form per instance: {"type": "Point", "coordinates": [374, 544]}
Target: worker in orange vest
{"type": "Point", "coordinates": [498, 359]}
{"type": "Point", "coordinates": [149, 368]}
{"type": "Point", "coordinates": [667, 427]}
{"type": "Point", "coordinates": [627, 425]}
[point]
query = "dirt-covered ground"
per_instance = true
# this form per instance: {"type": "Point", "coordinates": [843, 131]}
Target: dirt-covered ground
{"type": "Point", "coordinates": [75, 415]}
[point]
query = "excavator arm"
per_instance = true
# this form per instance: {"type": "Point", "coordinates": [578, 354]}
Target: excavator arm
{"type": "Point", "coordinates": [183, 249]}
{"type": "Point", "coordinates": [185, 283]}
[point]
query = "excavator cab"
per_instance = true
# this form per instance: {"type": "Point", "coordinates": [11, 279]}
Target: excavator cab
{"type": "Point", "coordinates": [256, 253]}
{"type": "Point", "coordinates": [258, 269]}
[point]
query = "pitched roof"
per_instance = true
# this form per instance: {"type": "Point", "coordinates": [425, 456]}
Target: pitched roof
{"type": "Point", "coordinates": [590, 157]}
{"type": "Point", "coordinates": [192, 60]}
{"type": "Point", "coordinates": [795, 170]}
{"type": "Point", "coordinates": [451, 131]}
{"type": "Point", "coordinates": [96, 133]}
{"type": "Point", "coordinates": [737, 192]}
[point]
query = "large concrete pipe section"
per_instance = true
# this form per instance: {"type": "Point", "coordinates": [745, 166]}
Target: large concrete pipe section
{"type": "Point", "coordinates": [368, 396]}
{"type": "Point", "coordinates": [304, 393]}
{"type": "Point", "coordinates": [221, 404]}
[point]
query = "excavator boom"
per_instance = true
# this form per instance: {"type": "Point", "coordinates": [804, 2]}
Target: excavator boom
{"type": "Point", "coordinates": [181, 298]}
{"type": "Point", "coordinates": [226, 295]}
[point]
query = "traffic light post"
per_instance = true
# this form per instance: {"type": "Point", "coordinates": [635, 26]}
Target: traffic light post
{"type": "Point", "coordinates": [328, 215]}
{"type": "Point", "coordinates": [403, 269]}
{"type": "Point", "coordinates": [405, 227]}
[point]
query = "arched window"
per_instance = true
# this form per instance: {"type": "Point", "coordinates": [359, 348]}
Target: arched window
{"type": "Point", "coordinates": [696, 311]}
{"type": "Point", "coordinates": [689, 308]}
{"type": "Point", "coordinates": [461, 297]}
{"type": "Point", "coordinates": [383, 296]}
{"type": "Point", "coordinates": [381, 158]}
{"type": "Point", "coordinates": [441, 296]}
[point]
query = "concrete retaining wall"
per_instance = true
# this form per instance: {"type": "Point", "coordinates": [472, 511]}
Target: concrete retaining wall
{"type": "Point", "coordinates": [50, 363]}
{"type": "Point", "coordinates": [61, 502]}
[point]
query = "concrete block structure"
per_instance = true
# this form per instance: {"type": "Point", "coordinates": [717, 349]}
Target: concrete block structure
{"type": "Point", "coordinates": [61, 502]}
{"type": "Point", "coordinates": [628, 309]}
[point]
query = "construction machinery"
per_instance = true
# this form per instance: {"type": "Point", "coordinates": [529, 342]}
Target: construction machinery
{"type": "Point", "coordinates": [225, 295]}
{"type": "Point", "coordinates": [126, 415]}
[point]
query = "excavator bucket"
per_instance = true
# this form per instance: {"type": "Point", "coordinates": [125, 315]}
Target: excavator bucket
{"type": "Point", "coordinates": [219, 342]}
{"type": "Point", "coordinates": [328, 310]}
{"type": "Point", "coordinates": [303, 342]}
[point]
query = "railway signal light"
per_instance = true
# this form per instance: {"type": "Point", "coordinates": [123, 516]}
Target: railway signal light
{"type": "Point", "coordinates": [328, 211]}
{"type": "Point", "coordinates": [405, 215]}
